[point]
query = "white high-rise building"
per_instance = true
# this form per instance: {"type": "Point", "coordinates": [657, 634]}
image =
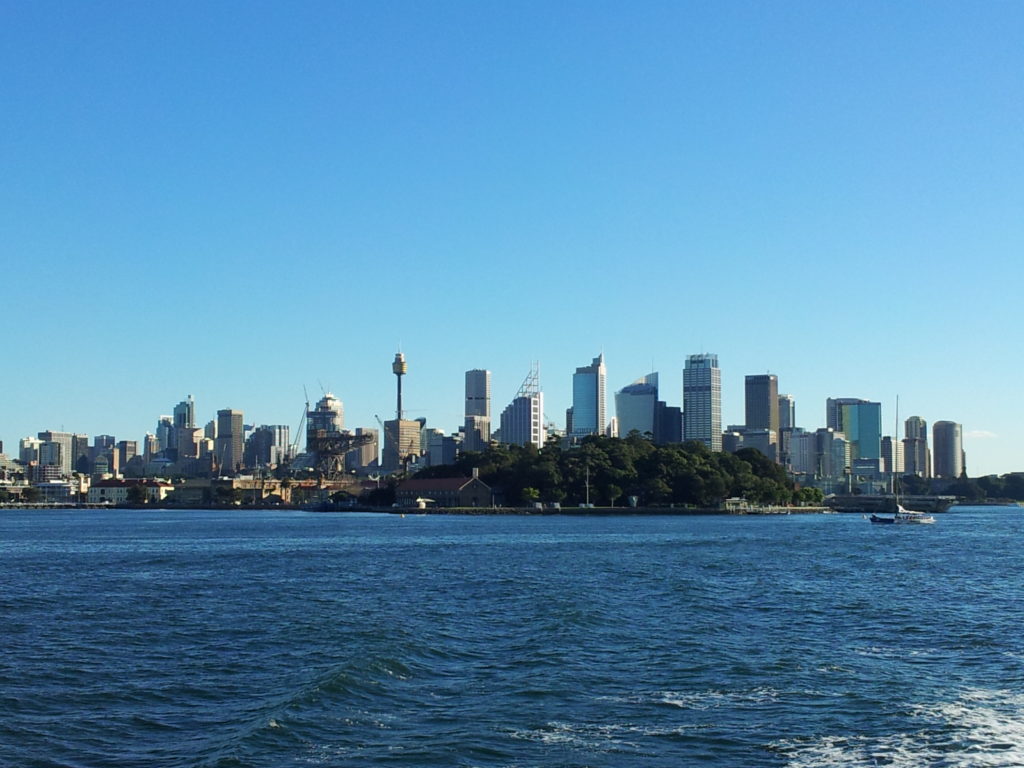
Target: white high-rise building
{"type": "Point", "coordinates": [916, 455]}
{"type": "Point", "coordinates": [477, 430]}
{"type": "Point", "coordinates": [702, 400]}
{"type": "Point", "coordinates": [522, 421]}
{"type": "Point", "coordinates": [328, 416]}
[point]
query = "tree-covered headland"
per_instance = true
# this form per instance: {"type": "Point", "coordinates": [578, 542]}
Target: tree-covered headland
{"type": "Point", "coordinates": [616, 468]}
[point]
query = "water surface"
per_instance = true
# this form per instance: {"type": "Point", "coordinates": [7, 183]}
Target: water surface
{"type": "Point", "coordinates": [204, 638]}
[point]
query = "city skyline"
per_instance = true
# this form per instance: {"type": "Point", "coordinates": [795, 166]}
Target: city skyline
{"type": "Point", "coordinates": [846, 416]}
{"type": "Point", "coordinates": [182, 216]}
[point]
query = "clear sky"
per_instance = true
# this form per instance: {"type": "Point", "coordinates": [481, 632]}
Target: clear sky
{"type": "Point", "coordinates": [239, 199]}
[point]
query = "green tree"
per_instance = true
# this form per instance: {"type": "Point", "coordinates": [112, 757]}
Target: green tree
{"type": "Point", "coordinates": [137, 494]}
{"type": "Point", "coordinates": [613, 492]}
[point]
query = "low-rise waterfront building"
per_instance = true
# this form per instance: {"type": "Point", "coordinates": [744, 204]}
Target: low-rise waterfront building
{"type": "Point", "coordinates": [444, 492]}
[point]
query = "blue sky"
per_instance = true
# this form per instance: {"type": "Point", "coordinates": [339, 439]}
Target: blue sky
{"type": "Point", "coordinates": [239, 199]}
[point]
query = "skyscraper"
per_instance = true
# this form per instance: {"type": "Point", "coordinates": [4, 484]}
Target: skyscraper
{"type": "Point", "coordinates": [762, 402]}
{"type": "Point", "coordinates": [861, 423]}
{"type": "Point", "coordinates": [636, 406]}
{"type": "Point", "coordinates": [477, 429]}
{"type": "Point", "coordinates": [57, 450]}
{"type": "Point", "coordinates": [230, 440]}
{"type": "Point", "coordinates": [948, 449]}
{"type": "Point", "coordinates": [702, 400]}
{"type": "Point", "coordinates": [833, 411]}
{"type": "Point", "coordinates": [522, 421]}
{"type": "Point", "coordinates": [588, 399]}
{"type": "Point", "coordinates": [787, 412]}
{"type": "Point", "coordinates": [892, 456]}
{"type": "Point", "coordinates": [185, 414]}
{"type": "Point", "coordinates": [916, 456]}
{"type": "Point", "coordinates": [478, 393]}
{"type": "Point", "coordinates": [364, 458]}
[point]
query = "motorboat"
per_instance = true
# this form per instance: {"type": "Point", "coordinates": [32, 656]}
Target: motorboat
{"type": "Point", "coordinates": [903, 516]}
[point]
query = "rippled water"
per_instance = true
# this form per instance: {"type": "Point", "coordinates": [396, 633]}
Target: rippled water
{"type": "Point", "coordinates": [294, 639]}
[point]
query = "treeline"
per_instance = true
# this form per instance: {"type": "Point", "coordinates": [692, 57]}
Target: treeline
{"type": "Point", "coordinates": [1008, 487]}
{"type": "Point", "coordinates": [615, 469]}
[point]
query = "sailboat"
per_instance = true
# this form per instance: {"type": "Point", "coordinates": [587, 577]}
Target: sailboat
{"type": "Point", "coordinates": [901, 515]}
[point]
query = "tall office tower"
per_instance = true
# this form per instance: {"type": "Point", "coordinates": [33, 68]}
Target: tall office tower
{"type": "Point", "coordinates": [165, 432]}
{"type": "Point", "coordinates": [267, 446]}
{"type": "Point", "coordinates": [126, 451]}
{"type": "Point", "coordinates": [916, 456]}
{"type": "Point", "coordinates": [185, 414]}
{"type": "Point", "coordinates": [52, 454]}
{"type": "Point", "coordinates": [62, 457]}
{"type": "Point", "coordinates": [892, 456]}
{"type": "Point", "coordinates": [102, 443]}
{"type": "Point", "coordinates": [522, 421]}
{"type": "Point", "coordinates": [365, 457]}
{"type": "Point", "coordinates": [702, 400]}
{"type": "Point", "coordinates": [762, 402]}
{"type": "Point", "coordinates": [477, 430]}
{"type": "Point", "coordinates": [668, 424]}
{"type": "Point", "coordinates": [834, 413]}
{"type": "Point", "coordinates": [229, 445]}
{"type": "Point", "coordinates": [401, 443]}
{"type": "Point", "coordinates": [787, 412]}
{"type": "Point", "coordinates": [152, 447]}
{"type": "Point", "coordinates": [861, 423]}
{"type": "Point", "coordinates": [947, 442]}
{"type": "Point", "coordinates": [28, 450]}
{"type": "Point", "coordinates": [802, 452]}
{"type": "Point", "coordinates": [80, 461]}
{"type": "Point", "coordinates": [588, 399]}
{"type": "Point", "coordinates": [478, 393]}
{"type": "Point", "coordinates": [833, 450]}
{"type": "Point", "coordinates": [636, 407]}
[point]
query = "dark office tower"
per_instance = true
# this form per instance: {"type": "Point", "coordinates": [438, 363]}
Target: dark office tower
{"type": "Point", "coordinates": [762, 399]}
{"type": "Point", "coordinates": [126, 451]}
{"type": "Point", "coordinates": [102, 443]}
{"type": "Point", "coordinates": [185, 414]}
{"type": "Point", "coordinates": [702, 400]}
{"type": "Point", "coordinates": [787, 412]}
{"type": "Point", "coordinates": [230, 437]}
{"type": "Point", "coordinates": [668, 424]}
{"type": "Point", "coordinates": [947, 444]}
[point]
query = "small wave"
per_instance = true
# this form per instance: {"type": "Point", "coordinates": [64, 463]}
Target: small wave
{"type": "Point", "coordinates": [702, 700]}
{"type": "Point", "coordinates": [980, 728]}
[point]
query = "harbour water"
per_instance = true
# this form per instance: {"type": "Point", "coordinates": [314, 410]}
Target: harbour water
{"type": "Point", "coordinates": [247, 638]}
